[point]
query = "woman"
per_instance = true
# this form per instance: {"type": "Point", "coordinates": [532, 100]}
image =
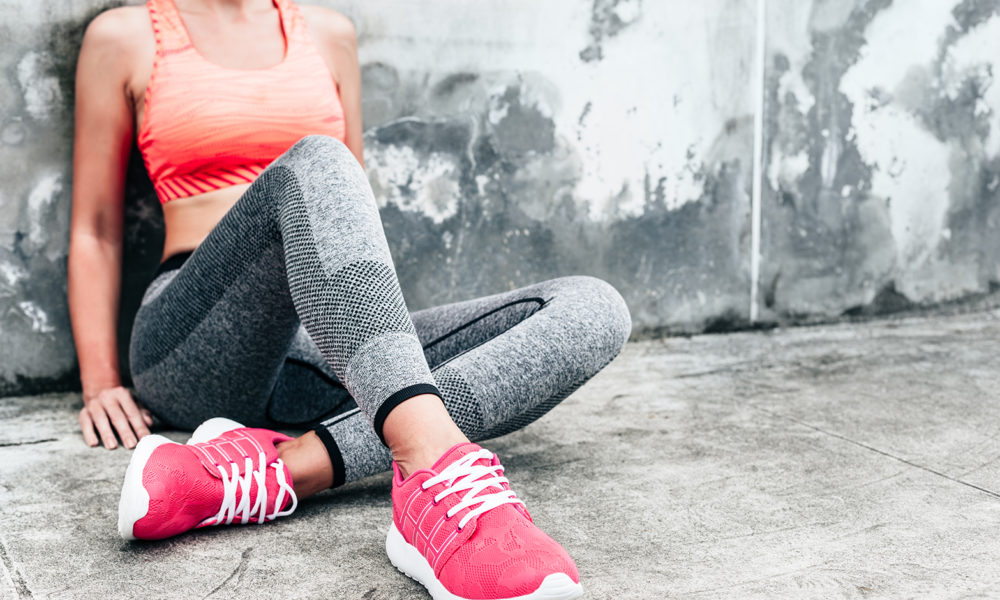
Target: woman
{"type": "Point", "coordinates": [276, 303]}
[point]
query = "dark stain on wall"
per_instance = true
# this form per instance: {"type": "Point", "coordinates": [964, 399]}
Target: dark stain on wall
{"type": "Point", "coordinates": [606, 22]}
{"type": "Point", "coordinates": [517, 219]}
{"type": "Point", "coordinates": [423, 136]}
{"type": "Point", "coordinates": [523, 129]}
{"type": "Point", "coordinates": [691, 255]}
{"type": "Point", "coordinates": [972, 13]}
{"type": "Point", "coordinates": [63, 45]}
{"type": "Point", "coordinates": [888, 301]}
{"type": "Point", "coordinates": [821, 249]}
{"type": "Point", "coordinates": [448, 85]}
{"type": "Point", "coordinates": [974, 211]}
{"type": "Point", "coordinates": [431, 268]}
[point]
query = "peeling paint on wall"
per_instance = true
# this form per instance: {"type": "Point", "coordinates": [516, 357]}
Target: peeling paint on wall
{"type": "Point", "coordinates": [36, 316]}
{"type": "Point", "coordinates": [12, 132]}
{"type": "Point", "coordinates": [12, 275]}
{"type": "Point", "coordinates": [42, 95]}
{"type": "Point", "coordinates": [608, 19]}
{"type": "Point", "coordinates": [40, 202]}
{"type": "Point", "coordinates": [425, 184]}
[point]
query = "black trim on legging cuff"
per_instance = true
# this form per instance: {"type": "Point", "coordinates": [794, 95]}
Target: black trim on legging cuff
{"type": "Point", "coordinates": [336, 458]}
{"type": "Point", "coordinates": [398, 398]}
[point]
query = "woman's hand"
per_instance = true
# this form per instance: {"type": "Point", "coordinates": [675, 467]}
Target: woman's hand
{"type": "Point", "coordinates": [114, 410]}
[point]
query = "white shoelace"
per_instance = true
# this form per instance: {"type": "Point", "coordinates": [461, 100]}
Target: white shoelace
{"type": "Point", "coordinates": [231, 508]}
{"type": "Point", "coordinates": [463, 475]}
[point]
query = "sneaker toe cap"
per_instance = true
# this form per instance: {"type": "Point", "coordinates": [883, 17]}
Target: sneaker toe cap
{"type": "Point", "coordinates": [181, 495]}
{"type": "Point", "coordinates": [506, 561]}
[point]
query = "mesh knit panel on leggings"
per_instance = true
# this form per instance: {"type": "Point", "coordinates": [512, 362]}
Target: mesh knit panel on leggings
{"type": "Point", "coordinates": [359, 302]}
{"type": "Point", "coordinates": [460, 400]}
{"type": "Point", "coordinates": [342, 282]}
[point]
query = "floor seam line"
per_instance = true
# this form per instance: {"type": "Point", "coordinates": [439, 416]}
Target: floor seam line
{"type": "Point", "coordinates": [27, 443]}
{"type": "Point", "coordinates": [884, 453]}
{"type": "Point", "coordinates": [237, 572]}
{"type": "Point", "coordinates": [7, 561]}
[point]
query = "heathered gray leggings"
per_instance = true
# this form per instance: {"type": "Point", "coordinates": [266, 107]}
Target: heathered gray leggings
{"type": "Point", "coordinates": [290, 313]}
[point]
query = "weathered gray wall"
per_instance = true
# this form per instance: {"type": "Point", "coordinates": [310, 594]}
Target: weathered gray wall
{"type": "Point", "coordinates": [882, 173]}
{"type": "Point", "coordinates": [519, 140]}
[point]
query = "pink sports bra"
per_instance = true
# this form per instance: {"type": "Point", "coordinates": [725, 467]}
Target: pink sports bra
{"type": "Point", "coordinates": [208, 127]}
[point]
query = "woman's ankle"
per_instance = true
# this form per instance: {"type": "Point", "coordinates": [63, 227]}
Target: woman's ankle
{"type": "Point", "coordinates": [308, 463]}
{"type": "Point", "coordinates": [419, 431]}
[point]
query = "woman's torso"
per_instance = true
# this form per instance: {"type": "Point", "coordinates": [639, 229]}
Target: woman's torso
{"type": "Point", "coordinates": [188, 220]}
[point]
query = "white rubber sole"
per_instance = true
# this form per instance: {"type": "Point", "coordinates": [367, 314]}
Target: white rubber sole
{"type": "Point", "coordinates": [411, 563]}
{"type": "Point", "coordinates": [212, 429]}
{"type": "Point", "coordinates": [134, 503]}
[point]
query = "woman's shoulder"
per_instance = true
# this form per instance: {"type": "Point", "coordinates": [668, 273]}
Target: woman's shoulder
{"type": "Point", "coordinates": [125, 28]}
{"type": "Point", "coordinates": [118, 48]}
{"type": "Point", "coordinates": [328, 25]}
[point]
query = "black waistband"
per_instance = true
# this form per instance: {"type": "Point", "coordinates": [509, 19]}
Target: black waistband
{"type": "Point", "coordinates": [174, 262]}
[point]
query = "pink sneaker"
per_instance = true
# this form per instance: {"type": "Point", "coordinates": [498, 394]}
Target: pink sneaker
{"type": "Point", "coordinates": [460, 530]}
{"type": "Point", "coordinates": [226, 472]}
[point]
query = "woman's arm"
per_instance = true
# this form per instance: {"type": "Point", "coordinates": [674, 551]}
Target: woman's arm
{"type": "Point", "coordinates": [101, 147]}
{"type": "Point", "coordinates": [338, 45]}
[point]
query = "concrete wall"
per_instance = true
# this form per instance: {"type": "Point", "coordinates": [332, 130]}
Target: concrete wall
{"type": "Point", "coordinates": [519, 140]}
{"type": "Point", "coordinates": [882, 173]}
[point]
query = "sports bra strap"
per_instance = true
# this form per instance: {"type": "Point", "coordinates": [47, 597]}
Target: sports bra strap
{"type": "Point", "coordinates": [172, 35]}
{"type": "Point", "coordinates": [168, 28]}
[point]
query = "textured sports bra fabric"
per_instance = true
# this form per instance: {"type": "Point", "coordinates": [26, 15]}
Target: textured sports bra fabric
{"type": "Point", "coordinates": [207, 127]}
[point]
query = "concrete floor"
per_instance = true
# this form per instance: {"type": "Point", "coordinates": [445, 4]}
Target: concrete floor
{"type": "Point", "coordinates": [843, 461]}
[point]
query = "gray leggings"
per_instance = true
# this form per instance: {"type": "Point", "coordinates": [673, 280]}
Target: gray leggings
{"type": "Point", "coordinates": [289, 313]}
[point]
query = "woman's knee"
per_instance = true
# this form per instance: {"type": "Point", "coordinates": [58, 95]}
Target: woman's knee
{"type": "Point", "coordinates": [320, 171]}
{"type": "Point", "coordinates": [600, 311]}
{"type": "Point", "coordinates": [318, 155]}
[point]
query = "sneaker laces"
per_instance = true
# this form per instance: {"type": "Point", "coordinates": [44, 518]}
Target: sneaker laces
{"type": "Point", "coordinates": [231, 508]}
{"type": "Point", "coordinates": [464, 474]}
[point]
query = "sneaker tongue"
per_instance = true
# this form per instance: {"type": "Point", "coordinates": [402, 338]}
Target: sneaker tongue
{"type": "Point", "coordinates": [458, 451]}
{"type": "Point", "coordinates": [454, 453]}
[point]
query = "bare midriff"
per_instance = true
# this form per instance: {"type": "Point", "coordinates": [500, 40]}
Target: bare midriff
{"type": "Point", "coordinates": [188, 221]}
